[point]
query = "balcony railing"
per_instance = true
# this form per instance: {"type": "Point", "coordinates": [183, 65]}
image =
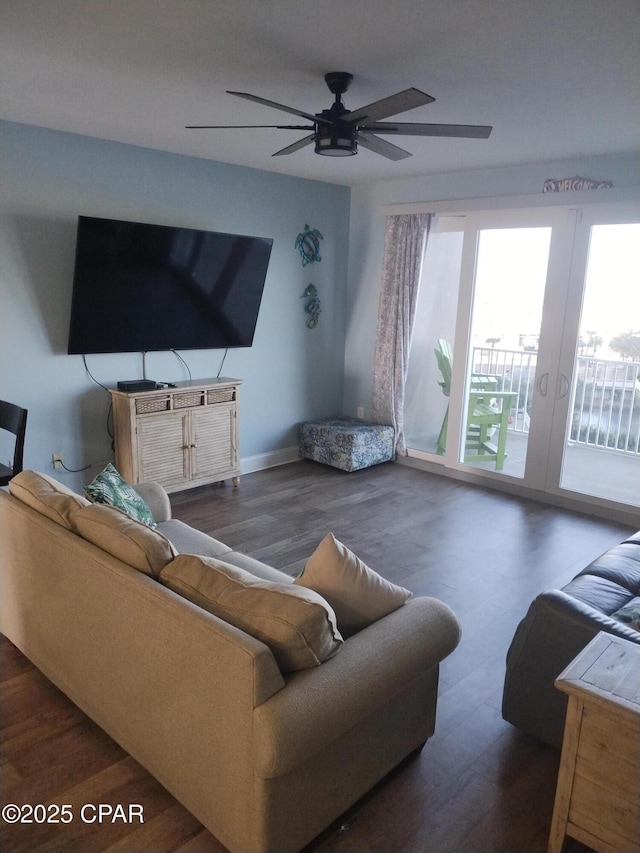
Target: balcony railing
{"type": "Point", "coordinates": [606, 405]}
{"type": "Point", "coordinates": [515, 370]}
{"type": "Point", "coordinates": [605, 397]}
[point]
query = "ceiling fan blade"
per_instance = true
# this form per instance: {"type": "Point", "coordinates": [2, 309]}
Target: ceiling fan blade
{"type": "Point", "coordinates": [276, 106]}
{"type": "Point", "coordinates": [381, 146]}
{"type": "Point", "coordinates": [471, 131]}
{"type": "Point", "coordinates": [238, 126]}
{"type": "Point", "coordinates": [409, 99]}
{"type": "Point", "coordinates": [301, 143]}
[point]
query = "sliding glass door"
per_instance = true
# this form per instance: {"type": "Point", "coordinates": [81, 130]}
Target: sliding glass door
{"type": "Point", "coordinates": [523, 363]}
{"type": "Point", "coordinates": [596, 446]}
{"type": "Point", "coordinates": [511, 271]}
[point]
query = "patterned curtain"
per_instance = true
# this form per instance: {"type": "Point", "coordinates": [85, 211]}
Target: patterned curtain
{"type": "Point", "coordinates": [404, 244]}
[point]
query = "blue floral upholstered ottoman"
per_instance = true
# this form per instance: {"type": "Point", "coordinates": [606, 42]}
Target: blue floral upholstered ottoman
{"type": "Point", "coordinates": [346, 443]}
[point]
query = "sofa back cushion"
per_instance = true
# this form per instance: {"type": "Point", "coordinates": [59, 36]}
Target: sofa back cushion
{"type": "Point", "coordinates": [297, 624]}
{"type": "Point", "coordinates": [47, 496]}
{"type": "Point", "coordinates": [123, 537]}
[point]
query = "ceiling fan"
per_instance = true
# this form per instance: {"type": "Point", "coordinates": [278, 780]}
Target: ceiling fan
{"type": "Point", "coordinates": [337, 132]}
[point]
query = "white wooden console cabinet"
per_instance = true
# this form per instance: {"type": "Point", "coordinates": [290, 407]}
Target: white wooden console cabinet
{"type": "Point", "coordinates": [181, 437]}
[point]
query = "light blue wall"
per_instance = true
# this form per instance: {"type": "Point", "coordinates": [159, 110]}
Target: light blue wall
{"type": "Point", "coordinates": [367, 238]}
{"type": "Point", "coordinates": [291, 373]}
{"type": "Point", "coordinates": [48, 178]}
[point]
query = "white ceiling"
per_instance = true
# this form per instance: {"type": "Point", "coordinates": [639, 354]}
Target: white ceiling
{"type": "Point", "coordinates": [555, 78]}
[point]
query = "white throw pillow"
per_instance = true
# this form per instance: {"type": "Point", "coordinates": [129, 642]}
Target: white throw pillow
{"type": "Point", "coordinates": [358, 594]}
{"type": "Point", "coordinates": [297, 624]}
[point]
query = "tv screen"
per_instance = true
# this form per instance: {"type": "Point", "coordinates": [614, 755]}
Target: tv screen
{"type": "Point", "coordinates": [139, 287]}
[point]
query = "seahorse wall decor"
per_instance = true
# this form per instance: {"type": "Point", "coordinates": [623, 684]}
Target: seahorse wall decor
{"type": "Point", "coordinates": [312, 305]}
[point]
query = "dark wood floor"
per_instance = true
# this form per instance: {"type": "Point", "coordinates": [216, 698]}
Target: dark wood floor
{"type": "Point", "coordinates": [479, 785]}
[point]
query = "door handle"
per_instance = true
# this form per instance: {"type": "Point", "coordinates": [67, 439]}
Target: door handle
{"type": "Point", "coordinates": [562, 386]}
{"type": "Point", "coordinates": [542, 384]}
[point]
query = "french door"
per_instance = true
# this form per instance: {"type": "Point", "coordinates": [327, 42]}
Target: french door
{"type": "Point", "coordinates": [530, 303]}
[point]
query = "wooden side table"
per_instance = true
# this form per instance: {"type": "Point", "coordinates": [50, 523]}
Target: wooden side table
{"type": "Point", "coordinates": [598, 794]}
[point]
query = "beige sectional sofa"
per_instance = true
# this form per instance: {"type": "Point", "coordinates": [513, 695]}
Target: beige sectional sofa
{"type": "Point", "coordinates": [264, 758]}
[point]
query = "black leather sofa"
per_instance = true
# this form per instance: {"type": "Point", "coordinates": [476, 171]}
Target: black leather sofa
{"type": "Point", "coordinates": [558, 625]}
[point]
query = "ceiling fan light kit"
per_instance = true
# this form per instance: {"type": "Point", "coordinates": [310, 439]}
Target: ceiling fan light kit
{"type": "Point", "coordinates": [336, 141]}
{"type": "Point", "coordinates": [337, 132]}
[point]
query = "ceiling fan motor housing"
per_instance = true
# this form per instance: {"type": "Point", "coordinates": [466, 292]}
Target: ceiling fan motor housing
{"type": "Point", "coordinates": [337, 139]}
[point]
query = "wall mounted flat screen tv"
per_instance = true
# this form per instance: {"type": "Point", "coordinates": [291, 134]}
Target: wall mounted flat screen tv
{"type": "Point", "coordinates": [139, 287]}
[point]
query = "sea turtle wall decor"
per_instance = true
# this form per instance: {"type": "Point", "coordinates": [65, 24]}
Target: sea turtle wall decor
{"type": "Point", "coordinates": [312, 305]}
{"type": "Point", "coordinates": [308, 244]}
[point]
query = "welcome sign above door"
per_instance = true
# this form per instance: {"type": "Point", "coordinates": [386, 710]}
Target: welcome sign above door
{"type": "Point", "coordinates": [552, 185]}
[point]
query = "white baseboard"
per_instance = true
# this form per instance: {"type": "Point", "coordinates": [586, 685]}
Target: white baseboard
{"type": "Point", "coordinates": [249, 464]}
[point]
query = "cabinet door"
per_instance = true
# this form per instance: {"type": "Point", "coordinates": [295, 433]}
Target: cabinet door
{"type": "Point", "coordinates": [162, 448]}
{"type": "Point", "coordinates": [213, 440]}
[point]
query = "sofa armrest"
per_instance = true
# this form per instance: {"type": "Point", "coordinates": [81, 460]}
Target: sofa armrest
{"type": "Point", "coordinates": [319, 705]}
{"type": "Point", "coordinates": [158, 500]}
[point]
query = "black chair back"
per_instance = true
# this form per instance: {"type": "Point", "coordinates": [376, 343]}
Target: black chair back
{"type": "Point", "coordinates": [13, 419]}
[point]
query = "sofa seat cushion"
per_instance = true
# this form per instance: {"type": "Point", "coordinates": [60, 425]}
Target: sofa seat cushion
{"type": "Point", "coordinates": [297, 624]}
{"type": "Point", "coordinates": [47, 496]}
{"type": "Point", "coordinates": [358, 594]}
{"type": "Point", "coordinates": [131, 541]}
{"type": "Point", "coordinates": [188, 540]}
{"type": "Point", "coordinates": [110, 488]}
